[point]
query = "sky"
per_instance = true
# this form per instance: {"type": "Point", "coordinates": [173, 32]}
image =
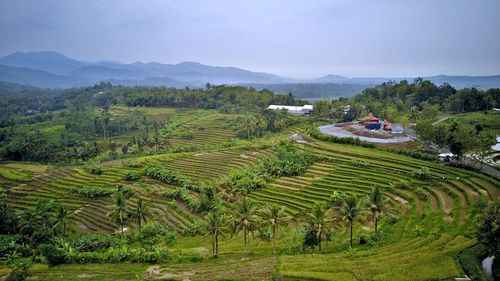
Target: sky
{"type": "Point", "coordinates": [291, 38]}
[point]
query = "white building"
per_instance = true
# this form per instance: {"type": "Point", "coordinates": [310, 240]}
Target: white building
{"type": "Point", "coordinates": [295, 110]}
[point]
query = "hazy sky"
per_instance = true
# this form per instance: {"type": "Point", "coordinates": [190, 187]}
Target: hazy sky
{"type": "Point", "coordinates": [301, 39]}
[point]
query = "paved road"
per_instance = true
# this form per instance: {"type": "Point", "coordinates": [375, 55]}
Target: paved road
{"type": "Point", "coordinates": [339, 132]}
{"type": "Point", "coordinates": [442, 119]}
{"type": "Point", "coordinates": [486, 169]}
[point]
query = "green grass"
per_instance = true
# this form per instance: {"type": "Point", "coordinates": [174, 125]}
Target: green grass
{"type": "Point", "coordinates": [489, 120]}
{"type": "Point", "coordinates": [11, 174]}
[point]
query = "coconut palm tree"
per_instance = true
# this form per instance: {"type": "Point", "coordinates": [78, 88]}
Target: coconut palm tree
{"type": "Point", "coordinates": [248, 125]}
{"type": "Point", "coordinates": [245, 217]}
{"type": "Point", "coordinates": [215, 225]}
{"type": "Point", "coordinates": [319, 221]}
{"type": "Point", "coordinates": [119, 212]}
{"type": "Point", "coordinates": [141, 212]}
{"type": "Point", "coordinates": [376, 205]}
{"type": "Point", "coordinates": [274, 217]}
{"type": "Point", "coordinates": [259, 123]}
{"type": "Point", "coordinates": [350, 208]}
{"type": "Point", "coordinates": [62, 220]}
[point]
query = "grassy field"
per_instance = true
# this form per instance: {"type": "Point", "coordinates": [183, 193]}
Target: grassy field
{"type": "Point", "coordinates": [426, 224]}
{"type": "Point", "coordinates": [489, 119]}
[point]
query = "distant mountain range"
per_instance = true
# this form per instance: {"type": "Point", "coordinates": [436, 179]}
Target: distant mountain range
{"type": "Point", "coordinates": [54, 70]}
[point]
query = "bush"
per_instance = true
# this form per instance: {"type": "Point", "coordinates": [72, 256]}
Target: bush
{"type": "Point", "coordinates": [193, 229]}
{"type": "Point", "coordinates": [92, 191]}
{"type": "Point", "coordinates": [127, 191]}
{"type": "Point", "coordinates": [53, 254]}
{"type": "Point", "coordinates": [423, 174]}
{"type": "Point", "coordinates": [131, 176]}
{"type": "Point", "coordinates": [94, 242]}
{"type": "Point", "coordinates": [20, 270]}
{"type": "Point", "coordinates": [94, 168]}
{"type": "Point", "coordinates": [156, 171]}
{"type": "Point", "coordinates": [182, 193]}
{"type": "Point", "coordinates": [245, 181]}
{"type": "Point", "coordinates": [153, 233]}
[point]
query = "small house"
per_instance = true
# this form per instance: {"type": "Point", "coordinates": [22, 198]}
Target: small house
{"type": "Point", "coordinates": [371, 122]}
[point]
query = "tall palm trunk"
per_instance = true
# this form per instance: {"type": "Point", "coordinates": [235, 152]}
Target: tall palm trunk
{"type": "Point", "coordinates": [274, 239]}
{"type": "Point", "coordinates": [245, 239]}
{"type": "Point", "coordinates": [351, 222]}
{"type": "Point", "coordinates": [216, 245]}
{"type": "Point", "coordinates": [319, 244]}
{"type": "Point", "coordinates": [376, 227]}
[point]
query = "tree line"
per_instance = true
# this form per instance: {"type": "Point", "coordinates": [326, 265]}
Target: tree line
{"type": "Point", "coordinates": [400, 101]}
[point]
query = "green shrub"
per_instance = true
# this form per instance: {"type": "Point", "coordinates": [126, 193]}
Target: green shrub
{"type": "Point", "coordinates": [193, 229]}
{"type": "Point", "coordinates": [423, 174]}
{"type": "Point", "coordinates": [94, 168]}
{"type": "Point", "coordinates": [156, 171]}
{"type": "Point", "coordinates": [153, 233]}
{"type": "Point", "coordinates": [92, 191]}
{"type": "Point", "coordinates": [53, 254]}
{"type": "Point", "coordinates": [127, 190]}
{"type": "Point", "coordinates": [20, 269]}
{"type": "Point", "coordinates": [182, 193]}
{"type": "Point", "coordinates": [131, 176]}
{"type": "Point", "coordinates": [94, 242]}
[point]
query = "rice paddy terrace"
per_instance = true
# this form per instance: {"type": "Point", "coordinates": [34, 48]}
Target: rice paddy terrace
{"type": "Point", "coordinates": [426, 224]}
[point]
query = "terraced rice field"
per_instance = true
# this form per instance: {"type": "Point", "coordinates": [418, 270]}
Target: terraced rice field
{"type": "Point", "coordinates": [213, 129]}
{"type": "Point", "coordinates": [90, 215]}
{"type": "Point", "coordinates": [442, 210]}
{"type": "Point", "coordinates": [422, 258]}
{"type": "Point", "coordinates": [213, 166]}
{"type": "Point", "coordinates": [451, 191]}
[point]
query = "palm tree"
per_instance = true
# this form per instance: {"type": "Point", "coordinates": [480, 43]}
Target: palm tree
{"type": "Point", "coordinates": [141, 212]}
{"type": "Point", "coordinates": [350, 208]}
{"type": "Point", "coordinates": [260, 123]}
{"type": "Point", "coordinates": [216, 224]}
{"type": "Point", "coordinates": [319, 221]}
{"type": "Point", "coordinates": [245, 218]}
{"type": "Point", "coordinates": [119, 211]}
{"type": "Point", "coordinates": [62, 219]}
{"type": "Point", "coordinates": [376, 205]}
{"type": "Point", "coordinates": [248, 125]}
{"type": "Point", "coordinates": [274, 217]}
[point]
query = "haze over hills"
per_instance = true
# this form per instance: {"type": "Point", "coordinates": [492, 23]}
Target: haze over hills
{"type": "Point", "coordinates": [54, 70]}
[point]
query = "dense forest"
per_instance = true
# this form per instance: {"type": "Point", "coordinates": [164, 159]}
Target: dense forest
{"type": "Point", "coordinates": [77, 124]}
